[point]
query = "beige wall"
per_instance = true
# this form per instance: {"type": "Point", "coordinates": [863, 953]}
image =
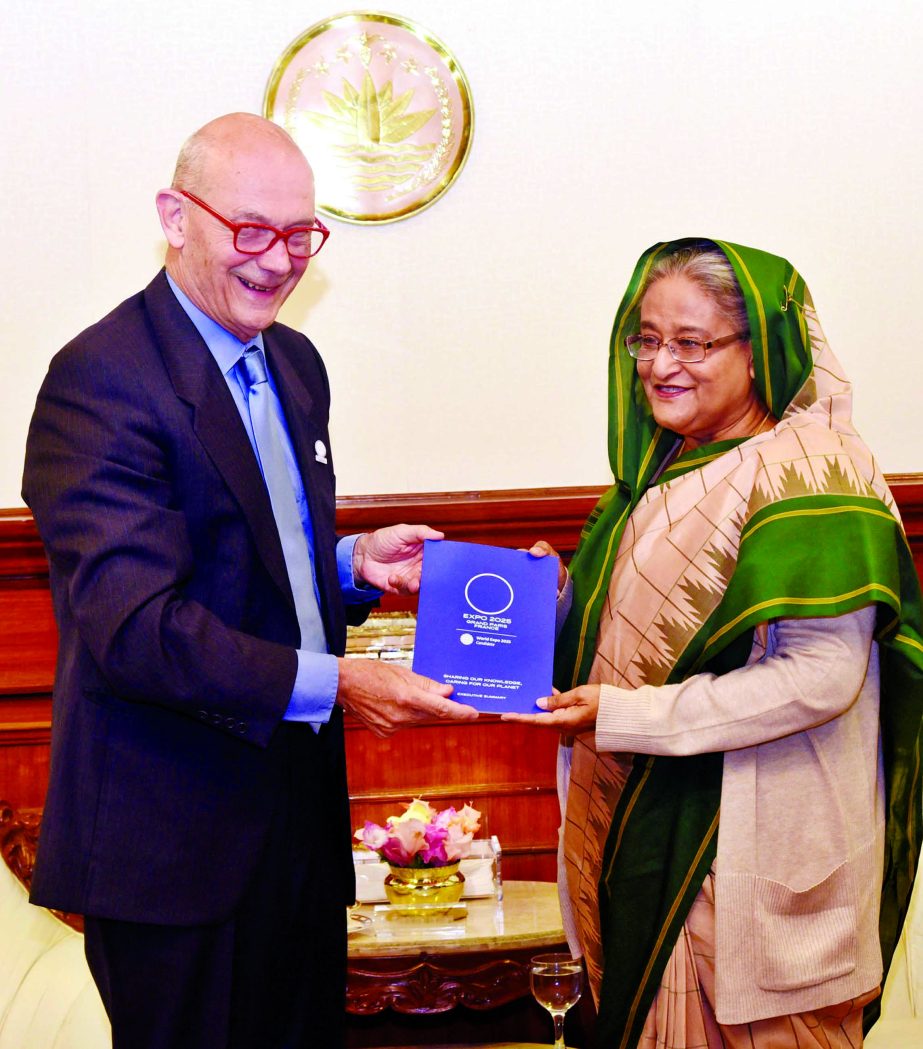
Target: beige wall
{"type": "Point", "coordinates": [467, 345]}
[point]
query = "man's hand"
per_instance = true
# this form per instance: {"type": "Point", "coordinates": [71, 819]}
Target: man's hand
{"type": "Point", "coordinates": [391, 559]}
{"type": "Point", "coordinates": [385, 697]}
{"type": "Point", "coordinates": [568, 712]}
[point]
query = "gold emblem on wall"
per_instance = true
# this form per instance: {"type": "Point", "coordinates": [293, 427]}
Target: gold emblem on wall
{"type": "Point", "coordinates": [382, 110]}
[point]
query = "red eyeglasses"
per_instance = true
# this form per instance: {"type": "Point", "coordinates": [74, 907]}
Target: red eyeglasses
{"type": "Point", "coordinates": [253, 238]}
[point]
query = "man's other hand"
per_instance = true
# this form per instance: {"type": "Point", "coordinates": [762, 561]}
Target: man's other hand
{"type": "Point", "coordinates": [391, 559]}
{"type": "Point", "coordinates": [385, 697]}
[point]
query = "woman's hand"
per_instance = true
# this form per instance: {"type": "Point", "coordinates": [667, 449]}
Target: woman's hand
{"type": "Point", "coordinates": [568, 712]}
{"type": "Point", "coordinates": [543, 549]}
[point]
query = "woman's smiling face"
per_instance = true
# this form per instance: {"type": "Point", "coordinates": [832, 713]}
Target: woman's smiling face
{"type": "Point", "coordinates": [713, 399]}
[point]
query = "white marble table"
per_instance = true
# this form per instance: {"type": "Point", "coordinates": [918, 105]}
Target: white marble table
{"type": "Point", "coordinates": [528, 917]}
{"type": "Point", "coordinates": [427, 966]}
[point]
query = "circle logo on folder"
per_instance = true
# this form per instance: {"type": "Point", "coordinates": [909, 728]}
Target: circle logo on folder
{"type": "Point", "coordinates": [489, 593]}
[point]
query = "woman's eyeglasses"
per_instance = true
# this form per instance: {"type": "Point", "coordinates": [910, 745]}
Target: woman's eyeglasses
{"type": "Point", "coordinates": [686, 351]}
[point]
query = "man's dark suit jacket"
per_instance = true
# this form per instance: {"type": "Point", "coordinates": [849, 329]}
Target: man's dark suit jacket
{"type": "Point", "coordinates": [177, 626]}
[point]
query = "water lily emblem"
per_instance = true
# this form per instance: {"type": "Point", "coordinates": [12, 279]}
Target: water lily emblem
{"type": "Point", "coordinates": [367, 117]}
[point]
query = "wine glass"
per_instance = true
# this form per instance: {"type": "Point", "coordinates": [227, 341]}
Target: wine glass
{"type": "Point", "coordinates": [557, 983]}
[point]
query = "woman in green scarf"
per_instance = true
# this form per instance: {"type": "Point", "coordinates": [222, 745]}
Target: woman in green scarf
{"type": "Point", "coordinates": [744, 639]}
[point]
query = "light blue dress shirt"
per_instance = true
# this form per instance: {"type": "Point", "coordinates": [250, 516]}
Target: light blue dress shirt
{"type": "Point", "coordinates": [318, 672]}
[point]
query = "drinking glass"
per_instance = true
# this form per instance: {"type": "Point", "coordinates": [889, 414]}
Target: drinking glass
{"type": "Point", "coordinates": [557, 983]}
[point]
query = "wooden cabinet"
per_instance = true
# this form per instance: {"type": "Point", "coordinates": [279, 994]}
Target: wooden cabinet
{"type": "Point", "coordinates": [507, 771]}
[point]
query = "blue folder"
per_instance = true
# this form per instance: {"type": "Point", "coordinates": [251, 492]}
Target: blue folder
{"type": "Point", "coordinates": [485, 624]}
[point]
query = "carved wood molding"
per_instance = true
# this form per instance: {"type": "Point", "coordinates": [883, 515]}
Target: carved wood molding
{"type": "Point", "coordinates": [436, 986]}
{"type": "Point", "coordinates": [908, 494]}
{"type": "Point", "coordinates": [21, 553]}
{"type": "Point", "coordinates": [516, 512]}
{"type": "Point", "coordinates": [443, 793]}
{"type": "Point", "coordinates": [19, 840]}
{"type": "Point", "coordinates": [18, 845]}
{"type": "Point", "coordinates": [35, 733]}
{"type": "Point", "coordinates": [505, 516]}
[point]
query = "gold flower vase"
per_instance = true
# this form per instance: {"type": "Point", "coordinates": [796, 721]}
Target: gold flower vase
{"type": "Point", "coordinates": [422, 888]}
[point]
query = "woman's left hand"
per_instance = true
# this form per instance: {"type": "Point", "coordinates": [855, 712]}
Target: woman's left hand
{"type": "Point", "coordinates": [543, 549]}
{"type": "Point", "coordinates": [568, 712]}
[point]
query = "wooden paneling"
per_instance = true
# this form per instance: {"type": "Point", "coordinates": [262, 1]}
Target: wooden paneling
{"type": "Point", "coordinates": [908, 493]}
{"type": "Point", "coordinates": [27, 655]}
{"type": "Point", "coordinates": [27, 631]}
{"type": "Point", "coordinates": [512, 517]}
{"type": "Point", "coordinates": [504, 770]}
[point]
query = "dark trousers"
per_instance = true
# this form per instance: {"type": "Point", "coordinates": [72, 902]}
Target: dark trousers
{"type": "Point", "coordinates": [273, 976]}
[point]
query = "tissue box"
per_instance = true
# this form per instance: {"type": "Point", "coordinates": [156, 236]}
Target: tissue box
{"type": "Point", "coordinates": [481, 868]}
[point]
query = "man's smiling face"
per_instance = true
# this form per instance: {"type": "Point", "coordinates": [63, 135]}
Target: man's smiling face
{"type": "Point", "coordinates": [246, 178]}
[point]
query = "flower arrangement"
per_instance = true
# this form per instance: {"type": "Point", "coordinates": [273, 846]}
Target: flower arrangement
{"type": "Point", "coordinates": [422, 836]}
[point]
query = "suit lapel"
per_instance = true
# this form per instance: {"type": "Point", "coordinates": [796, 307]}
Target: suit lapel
{"type": "Point", "coordinates": [198, 381]}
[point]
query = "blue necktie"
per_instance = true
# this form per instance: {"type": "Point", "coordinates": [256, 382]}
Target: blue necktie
{"type": "Point", "coordinates": [267, 432]}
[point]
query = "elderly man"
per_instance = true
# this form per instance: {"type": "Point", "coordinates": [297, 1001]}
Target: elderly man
{"type": "Point", "coordinates": [179, 471]}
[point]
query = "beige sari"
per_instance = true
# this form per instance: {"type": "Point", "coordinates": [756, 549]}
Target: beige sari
{"type": "Point", "coordinates": [683, 1013]}
{"type": "Point", "coordinates": [675, 558]}
{"type": "Point", "coordinates": [678, 568]}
